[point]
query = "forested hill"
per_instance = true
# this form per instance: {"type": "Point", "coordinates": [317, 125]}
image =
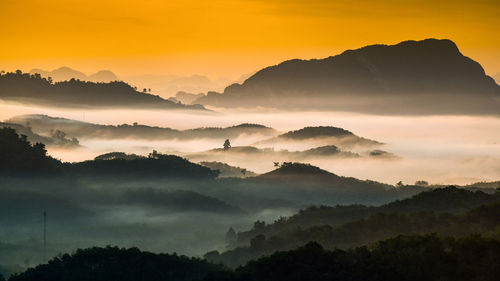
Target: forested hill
{"type": "Point", "coordinates": [403, 258]}
{"type": "Point", "coordinates": [450, 199]}
{"type": "Point", "coordinates": [378, 226]}
{"type": "Point", "coordinates": [19, 157]}
{"type": "Point", "coordinates": [34, 89]}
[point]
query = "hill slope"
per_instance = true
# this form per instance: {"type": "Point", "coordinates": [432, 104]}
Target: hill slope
{"type": "Point", "coordinates": [430, 75]}
{"type": "Point", "coordinates": [321, 136]}
{"type": "Point", "coordinates": [34, 89]}
{"type": "Point", "coordinates": [43, 124]}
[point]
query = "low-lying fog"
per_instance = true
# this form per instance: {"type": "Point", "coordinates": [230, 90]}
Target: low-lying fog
{"type": "Point", "coordinates": [438, 149]}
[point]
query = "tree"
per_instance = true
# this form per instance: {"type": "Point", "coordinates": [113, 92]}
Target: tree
{"type": "Point", "coordinates": [231, 236]}
{"type": "Point", "coordinates": [421, 183]}
{"type": "Point", "coordinates": [227, 144]}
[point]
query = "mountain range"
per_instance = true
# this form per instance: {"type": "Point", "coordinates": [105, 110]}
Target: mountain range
{"type": "Point", "coordinates": [412, 77]}
{"type": "Point", "coordinates": [65, 73]}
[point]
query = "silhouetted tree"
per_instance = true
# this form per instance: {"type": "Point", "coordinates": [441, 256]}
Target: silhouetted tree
{"type": "Point", "coordinates": [227, 144]}
{"type": "Point", "coordinates": [421, 183]}
{"type": "Point", "coordinates": [231, 236]}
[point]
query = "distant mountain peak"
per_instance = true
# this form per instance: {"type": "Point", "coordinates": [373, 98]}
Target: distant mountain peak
{"type": "Point", "coordinates": [66, 73]}
{"type": "Point", "coordinates": [413, 77]}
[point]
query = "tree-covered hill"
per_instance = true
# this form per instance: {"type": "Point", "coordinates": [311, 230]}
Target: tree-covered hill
{"type": "Point", "coordinates": [18, 156]}
{"type": "Point", "coordinates": [449, 199]}
{"type": "Point", "coordinates": [379, 226]}
{"type": "Point", "coordinates": [84, 130]}
{"type": "Point", "coordinates": [112, 263]}
{"type": "Point", "coordinates": [403, 258]}
{"type": "Point", "coordinates": [32, 88]}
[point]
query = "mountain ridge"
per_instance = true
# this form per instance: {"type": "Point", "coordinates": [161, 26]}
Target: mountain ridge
{"type": "Point", "coordinates": [378, 79]}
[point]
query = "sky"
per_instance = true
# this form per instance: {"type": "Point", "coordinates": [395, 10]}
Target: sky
{"type": "Point", "coordinates": [220, 38]}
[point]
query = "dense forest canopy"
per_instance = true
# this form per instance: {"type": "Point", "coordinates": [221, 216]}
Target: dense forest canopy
{"type": "Point", "coordinates": [403, 258]}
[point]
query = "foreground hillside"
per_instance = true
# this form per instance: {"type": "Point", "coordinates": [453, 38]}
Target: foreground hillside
{"type": "Point", "coordinates": [404, 258]}
{"type": "Point", "coordinates": [412, 77]}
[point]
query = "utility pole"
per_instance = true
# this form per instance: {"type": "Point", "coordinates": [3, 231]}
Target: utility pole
{"type": "Point", "coordinates": [44, 235]}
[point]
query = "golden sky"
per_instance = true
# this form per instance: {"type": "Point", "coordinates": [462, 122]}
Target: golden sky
{"type": "Point", "coordinates": [229, 38]}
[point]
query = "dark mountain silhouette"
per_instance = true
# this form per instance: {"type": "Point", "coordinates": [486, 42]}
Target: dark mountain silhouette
{"type": "Point", "coordinates": [321, 136]}
{"type": "Point", "coordinates": [79, 129]}
{"type": "Point", "coordinates": [412, 77]}
{"type": "Point", "coordinates": [34, 89]}
{"type": "Point", "coordinates": [65, 73]}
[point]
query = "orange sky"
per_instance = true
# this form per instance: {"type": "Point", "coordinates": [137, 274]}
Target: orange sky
{"type": "Point", "coordinates": [229, 38]}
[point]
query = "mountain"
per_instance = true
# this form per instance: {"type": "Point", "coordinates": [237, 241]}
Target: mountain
{"type": "Point", "coordinates": [412, 77]}
{"type": "Point", "coordinates": [34, 89]}
{"type": "Point", "coordinates": [43, 124]}
{"type": "Point", "coordinates": [321, 136]}
{"type": "Point", "coordinates": [65, 73]}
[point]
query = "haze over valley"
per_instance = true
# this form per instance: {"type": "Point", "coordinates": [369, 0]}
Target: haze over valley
{"type": "Point", "coordinates": [250, 140]}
